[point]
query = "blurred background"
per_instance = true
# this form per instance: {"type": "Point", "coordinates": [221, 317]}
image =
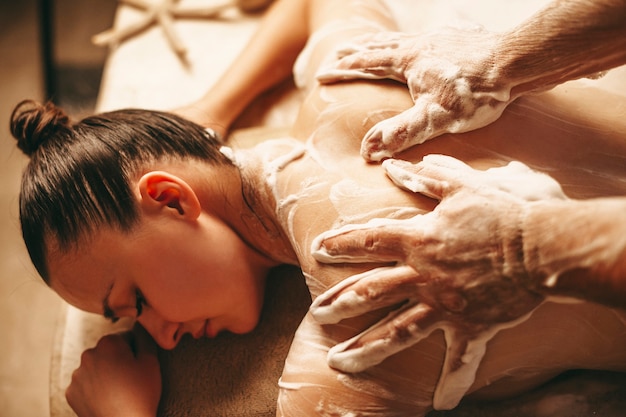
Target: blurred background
{"type": "Point", "coordinates": [45, 53]}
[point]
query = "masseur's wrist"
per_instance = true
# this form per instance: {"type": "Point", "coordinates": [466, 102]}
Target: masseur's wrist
{"type": "Point", "coordinates": [490, 68]}
{"type": "Point", "coordinates": [509, 71]}
{"type": "Point", "coordinates": [563, 42]}
{"type": "Point", "coordinates": [548, 242]}
{"type": "Point", "coordinates": [577, 248]}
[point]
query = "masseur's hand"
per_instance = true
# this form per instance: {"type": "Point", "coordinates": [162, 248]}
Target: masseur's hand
{"type": "Point", "coordinates": [459, 268]}
{"type": "Point", "coordinates": [450, 75]}
{"type": "Point", "coordinates": [119, 377]}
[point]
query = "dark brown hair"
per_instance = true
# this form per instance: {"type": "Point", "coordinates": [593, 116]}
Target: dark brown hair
{"type": "Point", "coordinates": [78, 177]}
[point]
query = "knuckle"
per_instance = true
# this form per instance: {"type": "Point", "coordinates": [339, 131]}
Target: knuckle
{"type": "Point", "coordinates": [86, 356]}
{"type": "Point", "coordinates": [400, 331]}
{"type": "Point", "coordinates": [370, 242]}
{"type": "Point", "coordinates": [105, 342]}
{"type": "Point", "coordinates": [69, 394]}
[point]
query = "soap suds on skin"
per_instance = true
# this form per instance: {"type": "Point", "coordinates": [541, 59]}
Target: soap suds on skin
{"type": "Point", "coordinates": [455, 379]}
{"type": "Point", "coordinates": [274, 165]}
{"type": "Point", "coordinates": [347, 197]}
{"type": "Point", "coordinates": [308, 346]}
{"type": "Point", "coordinates": [302, 64]}
{"type": "Point", "coordinates": [460, 366]}
{"type": "Point", "coordinates": [452, 384]}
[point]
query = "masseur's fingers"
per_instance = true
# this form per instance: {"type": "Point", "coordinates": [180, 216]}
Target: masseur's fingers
{"type": "Point", "coordinates": [378, 240]}
{"type": "Point", "coordinates": [368, 57]}
{"type": "Point", "coordinates": [379, 40]}
{"type": "Point", "coordinates": [379, 287]}
{"type": "Point", "coordinates": [425, 120]}
{"type": "Point", "coordinates": [393, 135]}
{"type": "Point", "coordinates": [400, 330]}
{"type": "Point", "coordinates": [370, 65]}
{"type": "Point", "coordinates": [435, 176]}
{"type": "Point", "coordinates": [450, 89]}
{"type": "Point", "coordinates": [518, 179]}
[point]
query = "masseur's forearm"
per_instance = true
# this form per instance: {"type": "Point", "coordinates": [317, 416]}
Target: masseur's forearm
{"type": "Point", "coordinates": [568, 39]}
{"type": "Point", "coordinates": [578, 248]}
{"type": "Point", "coordinates": [265, 61]}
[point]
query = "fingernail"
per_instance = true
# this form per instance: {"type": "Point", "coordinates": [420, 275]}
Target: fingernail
{"type": "Point", "coordinates": [322, 255]}
{"type": "Point", "coordinates": [319, 251]}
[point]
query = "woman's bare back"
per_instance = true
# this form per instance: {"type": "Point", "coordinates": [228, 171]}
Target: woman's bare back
{"type": "Point", "coordinates": [326, 184]}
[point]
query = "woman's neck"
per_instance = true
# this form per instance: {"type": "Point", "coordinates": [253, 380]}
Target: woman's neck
{"type": "Point", "coordinates": [249, 209]}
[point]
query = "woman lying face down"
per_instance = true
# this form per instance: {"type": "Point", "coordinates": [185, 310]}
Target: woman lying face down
{"type": "Point", "coordinates": [206, 233]}
{"type": "Point", "coordinates": [125, 234]}
{"type": "Point", "coordinates": [140, 214]}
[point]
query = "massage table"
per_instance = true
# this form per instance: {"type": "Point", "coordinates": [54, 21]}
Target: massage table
{"type": "Point", "coordinates": [224, 376]}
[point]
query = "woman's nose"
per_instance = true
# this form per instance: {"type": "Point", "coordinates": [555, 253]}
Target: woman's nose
{"type": "Point", "coordinates": [165, 333]}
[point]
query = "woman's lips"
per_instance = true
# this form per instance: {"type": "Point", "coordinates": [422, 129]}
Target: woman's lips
{"type": "Point", "coordinates": [205, 331]}
{"type": "Point", "coordinates": [201, 332]}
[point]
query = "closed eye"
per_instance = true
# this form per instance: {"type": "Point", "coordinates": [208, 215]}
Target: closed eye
{"type": "Point", "coordinates": [140, 301]}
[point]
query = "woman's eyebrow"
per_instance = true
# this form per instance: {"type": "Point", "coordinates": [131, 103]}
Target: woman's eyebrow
{"type": "Point", "coordinates": [108, 311]}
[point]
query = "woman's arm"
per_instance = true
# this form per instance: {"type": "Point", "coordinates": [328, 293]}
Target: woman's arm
{"type": "Point", "coordinates": [271, 53]}
{"type": "Point", "coordinates": [265, 61]}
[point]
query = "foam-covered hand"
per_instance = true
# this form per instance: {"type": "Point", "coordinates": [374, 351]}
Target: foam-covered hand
{"type": "Point", "coordinates": [450, 74]}
{"type": "Point", "coordinates": [120, 376]}
{"type": "Point", "coordinates": [459, 268]}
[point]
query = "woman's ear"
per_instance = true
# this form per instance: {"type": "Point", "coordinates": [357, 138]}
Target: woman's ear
{"type": "Point", "coordinates": [163, 191]}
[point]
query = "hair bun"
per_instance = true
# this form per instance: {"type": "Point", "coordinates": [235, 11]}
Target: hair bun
{"type": "Point", "coordinates": [33, 124]}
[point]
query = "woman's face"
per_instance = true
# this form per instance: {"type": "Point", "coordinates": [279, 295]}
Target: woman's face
{"type": "Point", "coordinates": [173, 275]}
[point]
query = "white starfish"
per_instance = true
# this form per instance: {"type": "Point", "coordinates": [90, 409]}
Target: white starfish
{"type": "Point", "coordinates": [163, 13]}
